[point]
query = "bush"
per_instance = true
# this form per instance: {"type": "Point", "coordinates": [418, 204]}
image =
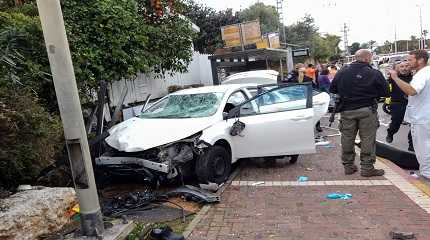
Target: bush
{"type": "Point", "coordinates": [30, 137]}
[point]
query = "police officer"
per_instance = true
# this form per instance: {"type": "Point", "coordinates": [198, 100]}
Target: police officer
{"type": "Point", "coordinates": [359, 87]}
{"type": "Point", "coordinates": [399, 101]}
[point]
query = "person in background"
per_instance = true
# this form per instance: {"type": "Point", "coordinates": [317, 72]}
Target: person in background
{"type": "Point", "coordinates": [324, 81]}
{"type": "Point", "coordinates": [399, 101]}
{"type": "Point", "coordinates": [359, 87]}
{"type": "Point", "coordinates": [298, 74]}
{"type": "Point", "coordinates": [311, 73]}
{"type": "Point", "coordinates": [418, 109]}
{"type": "Point", "coordinates": [333, 71]}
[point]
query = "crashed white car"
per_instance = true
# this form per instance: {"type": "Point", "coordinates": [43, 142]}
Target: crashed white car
{"type": "Point", "coordinates": [202, 131]}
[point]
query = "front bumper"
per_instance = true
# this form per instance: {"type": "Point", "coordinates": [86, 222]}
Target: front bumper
{"type": "Point", "coordinates": [106, 161]}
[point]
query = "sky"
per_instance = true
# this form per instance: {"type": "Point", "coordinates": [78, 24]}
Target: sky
{"type": "Point", "coordinates": [376, 20]}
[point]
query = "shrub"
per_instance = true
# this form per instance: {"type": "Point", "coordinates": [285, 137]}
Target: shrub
{"type": "Point", "coordinates": [30, 137]}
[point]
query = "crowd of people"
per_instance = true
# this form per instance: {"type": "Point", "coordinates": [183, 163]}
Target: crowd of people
{"type": "Point", "coordinates": [359, 87]}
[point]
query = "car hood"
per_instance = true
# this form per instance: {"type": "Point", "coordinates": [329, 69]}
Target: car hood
{"type": "Point", "coordinates": [138, 134]}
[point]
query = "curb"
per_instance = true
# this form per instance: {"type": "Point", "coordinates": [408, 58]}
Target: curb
{"type": "Point", "coordinates": [199, 216]}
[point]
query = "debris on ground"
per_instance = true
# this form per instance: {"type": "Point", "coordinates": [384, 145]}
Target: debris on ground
{"type": "Point", "coordinates": [309, 169]}
{"type": "Point", "coordinates": [303, 179]}
{"type": "Point", "coordinates": [402, 235]}
{"type": "Point", "coordinates": [343, 196]}
{"type": "Point", "coordinates": [165, 233]}
{"type": "Point", "coordinates": [132, 202]}
{"type": "Point", "coordinates": [29, 214]}
{"type": "Point", "coordinates": [195, 194]}
{"type": "Point", "coordinates": [213, 187]}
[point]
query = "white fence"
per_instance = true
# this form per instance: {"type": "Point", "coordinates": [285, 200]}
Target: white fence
{"type": "Point", "coordinates": [199, 72]}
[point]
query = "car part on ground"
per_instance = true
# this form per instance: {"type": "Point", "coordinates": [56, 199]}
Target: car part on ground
{"type": "Point", "coordinates": [165, 233]}
{"type": "Point", "coordinates": [195, 194]}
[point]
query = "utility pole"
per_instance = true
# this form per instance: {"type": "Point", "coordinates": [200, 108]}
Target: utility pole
{"type": "Point", "coordinates": [345, 32]}
{"type": "Point", "coordinates": [395, 38]}
{"type": "Point", "coordinates": [289, 58]}
{"type": "Point", "coordinates": [421, 45]}
{"type": "Point", "coordinates": [69, 104]}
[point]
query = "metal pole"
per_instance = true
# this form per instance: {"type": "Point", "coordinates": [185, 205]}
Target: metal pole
{"type": "Point", "coordinates": [71, 115]}
{"type": "Point", "coordinates": [421, 28]}
{"type": "Point", "coordinates": [290, 60]}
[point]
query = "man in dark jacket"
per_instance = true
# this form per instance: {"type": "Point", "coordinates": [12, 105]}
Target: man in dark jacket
{"type": "Point", "coordinates": [359, 87]}
{"type": "Point", "coordinates": [399, 101]}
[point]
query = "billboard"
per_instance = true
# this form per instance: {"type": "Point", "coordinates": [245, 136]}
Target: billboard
{"type": "Point", "coordinates": [231, 35]}
{"type": "Point", "coordinates": [242, 33]}
{"type": "Point", "coordinates": [251, 32]}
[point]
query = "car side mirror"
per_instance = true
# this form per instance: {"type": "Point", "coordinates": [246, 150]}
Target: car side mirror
{"type": "Point", "coordinates": [235, 112]}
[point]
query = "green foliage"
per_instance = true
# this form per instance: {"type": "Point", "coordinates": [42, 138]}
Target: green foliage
{"type": "Point", "coordinates": [210, 22]}
{"type": "Point", "coordinates": [302, 32]}
{"type": "Point", "coordinates": [325, 47]}
{"type": "Point", "coordinates": [268, 16]}
{"type": "Point", "coordinates": [30, 137]}
{"type": "Point", "coordinates": [354, 48]}
{"type": "Point", "coordinates": [114, 39]}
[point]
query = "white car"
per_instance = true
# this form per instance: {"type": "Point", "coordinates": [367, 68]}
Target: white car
{"type": "Point", "coordinates": [204, 130]}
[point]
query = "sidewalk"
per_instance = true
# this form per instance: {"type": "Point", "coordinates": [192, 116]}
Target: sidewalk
{"type": "Point", "coordinates": [281, 208]}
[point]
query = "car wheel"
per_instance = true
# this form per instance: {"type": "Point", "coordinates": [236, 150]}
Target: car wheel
{"type": "Point", "coordinates": [214, 165]}
{"type": "Point", "coordinates": [294, 158]}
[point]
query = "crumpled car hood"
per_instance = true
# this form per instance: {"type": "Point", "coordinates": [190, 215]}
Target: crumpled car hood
{"type": "Point", "coordinates": [138, 134]}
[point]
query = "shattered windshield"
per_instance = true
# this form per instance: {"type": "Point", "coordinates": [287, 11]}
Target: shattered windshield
{"type": "Point", "coordinates": [185, 106]}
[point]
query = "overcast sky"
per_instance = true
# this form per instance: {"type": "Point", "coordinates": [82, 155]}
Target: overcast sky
{"type": "Point", "coordinates": [366, 19]}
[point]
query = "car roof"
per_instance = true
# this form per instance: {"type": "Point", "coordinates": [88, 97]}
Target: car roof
{"type": "Point", "coordinates": [216, 88]}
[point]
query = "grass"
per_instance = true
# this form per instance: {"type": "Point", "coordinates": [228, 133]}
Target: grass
{"type": "Point", "coordinates": [142, 229]}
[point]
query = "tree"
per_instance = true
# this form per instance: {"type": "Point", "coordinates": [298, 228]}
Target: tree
{"type": "Point", "coordinates": [302, 32]}
{"type": "Point", "coordinates": [372, 44]}
{"type": "Point", "coordinates": [354, 48]}
{"type": "Point", "coordinates": [325, 47]}
{"type": "Point", "coordinates": [210, 22]}
{"type": "Point", "coordinates": [268, 16]}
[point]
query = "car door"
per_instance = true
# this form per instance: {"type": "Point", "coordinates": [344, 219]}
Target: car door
{"type": "Point", "coordinates": [277, 122]}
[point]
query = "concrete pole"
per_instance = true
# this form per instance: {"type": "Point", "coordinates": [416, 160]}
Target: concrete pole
{"type": "Point", "coordinates": [71, 115]}
{"type": "Point", "coordinates": [290, 61]}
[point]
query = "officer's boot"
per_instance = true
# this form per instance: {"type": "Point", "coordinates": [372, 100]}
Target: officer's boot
{"type": "Point", "coordinates": [372, 172]}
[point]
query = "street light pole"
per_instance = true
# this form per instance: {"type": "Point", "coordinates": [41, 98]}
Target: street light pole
{"type": "Point", "coordinates": [69, 104]}
{"type": "Point", "coordinates": [421, 27]}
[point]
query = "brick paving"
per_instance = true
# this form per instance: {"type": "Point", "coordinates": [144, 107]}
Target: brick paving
{"type": "Point", "coordinates": [292, 212]}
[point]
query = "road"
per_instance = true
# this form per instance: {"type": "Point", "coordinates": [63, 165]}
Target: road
{"type": "Point", "coordinates": [400, 139]}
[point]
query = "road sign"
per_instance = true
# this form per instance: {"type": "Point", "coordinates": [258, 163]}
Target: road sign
{"type": "Point", "coordinates": [301, 52]}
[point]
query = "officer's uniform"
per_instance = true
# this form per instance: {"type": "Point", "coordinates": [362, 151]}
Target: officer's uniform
{"type": "Point", "coordinates": [398, 104]}
{"type": "Point", "coordinates": [359, 87]}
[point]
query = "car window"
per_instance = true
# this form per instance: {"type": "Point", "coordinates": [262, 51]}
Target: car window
{"type": "Point", "coordinates": [277, 100]}
{"type": "Point", "coordinates": [185, 106]}
{"type": "Point", "coordinates": [237, 98]}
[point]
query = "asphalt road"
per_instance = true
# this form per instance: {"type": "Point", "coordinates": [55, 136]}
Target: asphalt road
{"type": "Point", "coordinates": [400, 139]}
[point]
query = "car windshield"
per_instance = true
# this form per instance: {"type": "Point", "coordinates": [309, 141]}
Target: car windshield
{"type": "Point", "coordinates": [185, 106]}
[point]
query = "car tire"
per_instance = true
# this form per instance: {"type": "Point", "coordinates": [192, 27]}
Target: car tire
{"type": "Point", "coordinates": [293, 159]}
{"type": "Point", "coordinates": [214, 165]}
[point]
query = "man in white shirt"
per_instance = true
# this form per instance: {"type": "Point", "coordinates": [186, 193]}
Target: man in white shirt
{"type": "Point", "coordinates": [418, 109]}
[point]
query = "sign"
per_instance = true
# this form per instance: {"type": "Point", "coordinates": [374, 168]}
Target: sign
{"type": "Point", "coordinates": [231, 35]}
{"type": "Point", "coordinates": [274, 41]}
{"type": "Point", "coordinates": [251, 32]}
{"type": "Point", "coordinates": [301, 52]}
{"type": "Point", "coordinates": [248, 32]}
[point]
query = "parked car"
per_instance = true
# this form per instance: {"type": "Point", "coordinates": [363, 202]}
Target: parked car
{"type": "Point", "coordinates": [202, 131]}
